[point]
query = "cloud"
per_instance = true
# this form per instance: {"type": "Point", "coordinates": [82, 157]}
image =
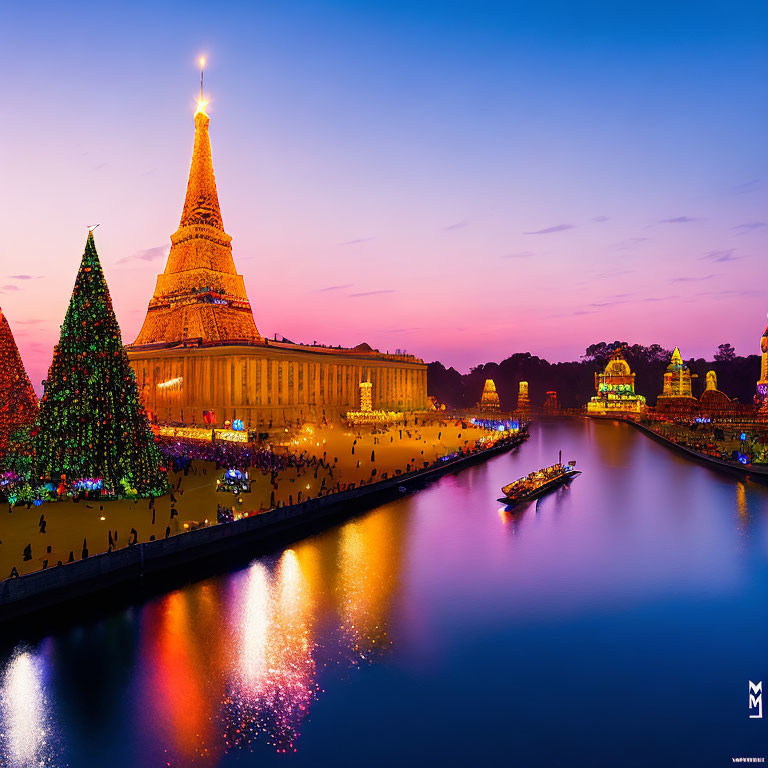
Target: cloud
{"type": "Point", "coordinates": [149, 254]}
{"type": "Point", "coordinates": [370, 293]}
{"type": "Point", "coordinates": [330, 288]}
{"type": "Point", "coordinates": [615, 273]}
{"type": "Point", "coordinates": [358, 241]}
{"type": "Point", "coordinates": [24, 277]}
{"type": "Point", "coordinates": [458, 225]}
{"type": "Point", "coordinates": [9, 287]}
{"type": "Point", "coordinates": [519, 255]}
{"type": "Point", "coordinates": [601, 219]}
{"type": "Point", "coordinates": [720, 256]}
{"type": "Point", "coordinates": [400, 330]}
{"type": "Point", "coordinates": [679, 220]}
{"type": "Point", "coordinates": [630, 242]}
{"type": "Point", "coordinates": [747, 186]}
{"type": "Point", "coordinates": [749, 226]}
{"type": "Point", "coordinates": [550, 230]}
{"type": "Point", "coordinates": [691, 279]}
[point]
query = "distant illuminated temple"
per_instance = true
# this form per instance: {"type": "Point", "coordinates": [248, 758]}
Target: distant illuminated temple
{"type": "Point", "coordinates": [489, 400]}
{"type": "Point", "coordinates": [762, 386]}
{"type": "Point", "coordinates": [677, 394]}
{"type": "Point", "coordinates": [523, 403]}
{"type": "Point", "coordinates": [199, 356]}
{"type": "Point", "coordinates": [615, 390]}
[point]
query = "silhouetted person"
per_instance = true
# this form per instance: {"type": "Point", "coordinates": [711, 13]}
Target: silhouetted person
{"type": "Point", "coordinates": [153, 515]}
{"type": "Point", "coordinates": [111, 544]}
{"type": "Point", "coordinates": [27, 553]}
{"type": "Point", "coordinates": [14, 572]}
{"type": "Point", "coordinates": [84, 553]}
{"type": "Point", "coordinates": [133, 538]}
{"type": "Point", "coordinates": [167, 531]}
{"type": "Point", "coordinates": [71, 558]}
{"type": "Point", "coordinates": [42, 523]}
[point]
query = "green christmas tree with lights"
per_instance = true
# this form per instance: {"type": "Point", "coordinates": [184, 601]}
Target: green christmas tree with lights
{"type": "Point", "coordinates": [92, 428]}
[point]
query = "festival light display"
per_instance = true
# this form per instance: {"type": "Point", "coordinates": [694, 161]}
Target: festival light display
{"type": "Point", "coordinates": [91, 427]}
{"type": "Point", "coordinates": [615, 390]}
{"type": "Point", "coordinates": [677, 394]}
{"type": "Point", "coordinates": [18, 401]}
{"type": "Point", "coordinates": [489, 400]}
{"type": "Point", "coordinates": [761, 396]}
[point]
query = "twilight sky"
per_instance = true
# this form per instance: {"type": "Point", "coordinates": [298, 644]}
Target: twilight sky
{"type": "Point", "coordinates": [461, 179]}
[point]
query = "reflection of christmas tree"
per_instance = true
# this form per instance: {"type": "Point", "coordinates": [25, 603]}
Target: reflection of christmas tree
{"type": "Point", "coordinates": [92, 425]}
{"type": "Point", "coordinates": [18, 401]}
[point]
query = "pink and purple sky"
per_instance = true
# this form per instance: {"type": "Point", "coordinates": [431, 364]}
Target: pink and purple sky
{"type": "Point", "coordinates": [463, 180]}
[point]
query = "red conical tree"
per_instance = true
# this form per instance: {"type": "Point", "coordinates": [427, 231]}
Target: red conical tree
{"type": "Point", "coordinates": [18, 401]}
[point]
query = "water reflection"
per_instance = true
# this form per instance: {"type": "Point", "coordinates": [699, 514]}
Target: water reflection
{"type": "Point", "coordinates": [272, 679]}
{"type": "Point", "coordinates": [25, 738]}
{"type": "Point", "coordinates": [465, 600]}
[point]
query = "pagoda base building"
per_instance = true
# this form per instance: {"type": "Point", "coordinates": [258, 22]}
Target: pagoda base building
{"type": "Point", "coordinates": [200, 359]}
{"type": "Point", "coordinates": [616, 390]}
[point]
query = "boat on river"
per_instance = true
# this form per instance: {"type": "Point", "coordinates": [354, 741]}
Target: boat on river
{"type": "Point", "coordinates": [540, 482]}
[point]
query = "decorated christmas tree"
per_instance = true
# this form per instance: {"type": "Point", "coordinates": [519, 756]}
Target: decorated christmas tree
{"type": "Point", "coordinates": [92, 428]}
{"type": "Point", "coordinates": [18, 401]}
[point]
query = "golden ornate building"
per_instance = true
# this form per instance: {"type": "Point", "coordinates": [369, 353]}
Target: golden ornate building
{"type": "Point", "coordinates": [523, 402]}
{"type": "Point", "coordinates": [615, 390]}
{"type": "Point", "coordinates": [200, 358]}
{"type": "Point", "coordinates": [489, 400]}
{"type": "Point", "coordinates": [677, 394]}
{"type": "Point", "coordinates": [762, 385]}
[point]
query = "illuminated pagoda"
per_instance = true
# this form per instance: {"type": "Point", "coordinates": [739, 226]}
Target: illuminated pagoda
{"type": "Point", "coordinates": [200, 359]}
{"type": "Point", "coordinates": [489, 400]}
{"type": "Point", "coordinates": [18, 401]}
{"type": "Point", "coordinates": [713, 403]}
{"type": "Point", "coordinates": [761, 398]}
{"type": "Point", "coordinates": [523, 402]}
{"type": "Point", "coordinates": [615, 390]}
{"type": "Point", "coordinates": [677, 395]}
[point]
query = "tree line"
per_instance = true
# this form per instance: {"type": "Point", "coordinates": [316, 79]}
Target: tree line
{"type": "Point", "coordinates": [574, 381]}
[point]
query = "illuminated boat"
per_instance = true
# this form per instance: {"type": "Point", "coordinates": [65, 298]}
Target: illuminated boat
{"type": "Point", "coordinates": [538, 483]}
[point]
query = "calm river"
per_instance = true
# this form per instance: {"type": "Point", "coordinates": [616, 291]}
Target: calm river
{"type": "Point", "coordinates": [616, 622]}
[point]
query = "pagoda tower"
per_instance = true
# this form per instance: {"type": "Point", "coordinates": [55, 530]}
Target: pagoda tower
{"type": "Point", "coordinates": [199, 298]}
{"type": "Point", "coordinates": [18, 401]}
{"type": "Point", "coordinates": [761, 398]}
{"type": "Point", "coordinates": [489, 400]}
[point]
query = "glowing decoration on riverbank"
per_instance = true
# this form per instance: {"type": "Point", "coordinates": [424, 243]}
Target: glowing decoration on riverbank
{"type": "Point", "coordinates": [201, 433]}
{"type": "Point", "coordinates": [615, 390]}
{"type": "Point", "coordinates": [18, 401]}
{"type": "Point", "coordinates": [489, 400]}
{"type": "Point", "coordinates": [91, 423]}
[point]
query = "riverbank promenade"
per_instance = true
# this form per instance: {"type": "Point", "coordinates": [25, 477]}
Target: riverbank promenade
{"type": "Point", "coordinates": [327, 460]}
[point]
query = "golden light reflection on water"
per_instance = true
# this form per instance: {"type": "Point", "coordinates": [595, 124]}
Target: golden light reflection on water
{"type": "Point", "coordinates": [367, 554]}
{"type": "Point", "coordinates": [272, 679]}
{"type": "Point", "coordinates": [233, 663]}
{"type": "Point", "coordinates": [741, 499]}
{"type": "Point", "coordinates": [24, 731]}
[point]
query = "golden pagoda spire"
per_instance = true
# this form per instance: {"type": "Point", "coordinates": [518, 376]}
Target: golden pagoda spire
{"type": "Point", "coordinates": [201, 204]}
{"type": "Point", "coordinates": [200, 295]}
